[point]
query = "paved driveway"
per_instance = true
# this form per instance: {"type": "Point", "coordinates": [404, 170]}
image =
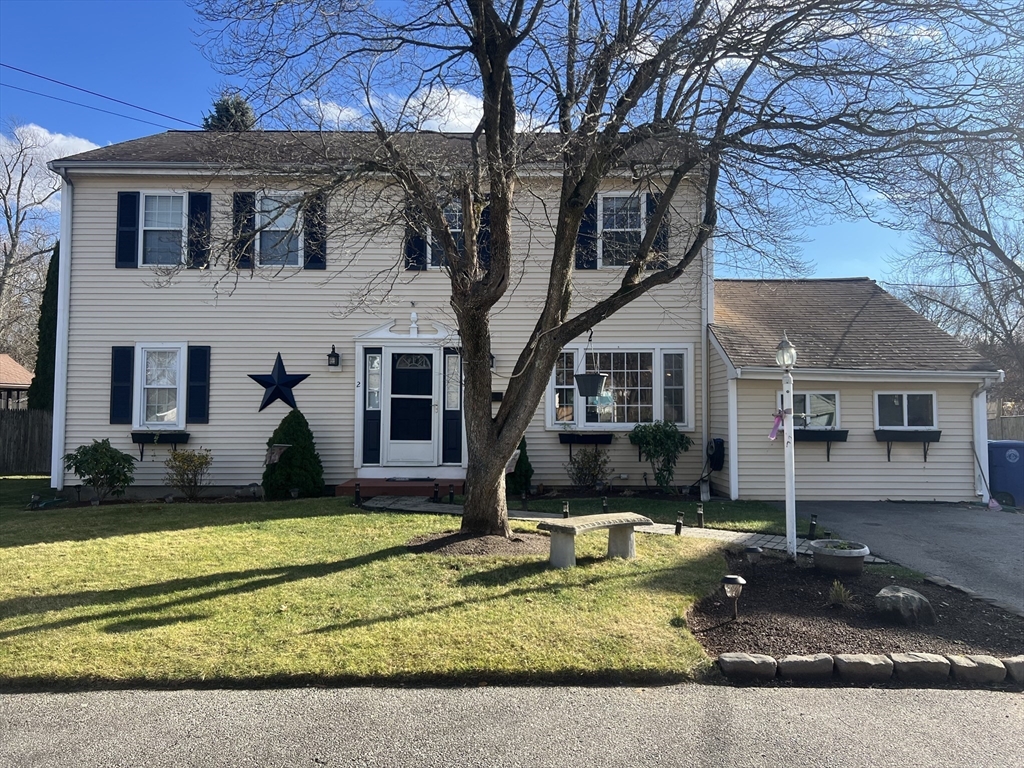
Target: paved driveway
{"type": "Point", "coordinates": [969, 545]}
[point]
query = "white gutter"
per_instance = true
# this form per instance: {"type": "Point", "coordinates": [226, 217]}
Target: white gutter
{"type": "Point", "coordinates": [979, 402]}
{"type": "Point", "coordinates": [60, 366]}
{"type": "Point", "coordinates": [849, 374]}
{"type": "Point", "coordinates": [707, 313]}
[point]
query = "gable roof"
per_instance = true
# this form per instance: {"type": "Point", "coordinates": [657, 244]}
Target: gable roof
{"type": "Point", "coordinates": [13, 375]}
{"type": "Point", "coordinates": [844, 324]}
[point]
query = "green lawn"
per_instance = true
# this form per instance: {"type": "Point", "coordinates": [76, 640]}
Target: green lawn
{"type": "Point", "coordinates": [313, 590]}
{"type": "Point", "coordinates": [732, 515]}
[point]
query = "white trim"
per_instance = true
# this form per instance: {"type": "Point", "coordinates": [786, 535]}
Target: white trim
{"type": "Point", "coordinates": [293, 199]}
{"type": "Point", "coordinates": [981, 478]}
{"type": "Point", "coordinates": [601, 196]}
{"type": "Point", "coordinates": [731, 371]}
{"type": "Point", "coordinates": [733, 446]}
{"type": "Point", "coordinates": [143, 194]}
{"type": "Point", "coordinates": [905, 393]}
{"type": "Point", "coordinates": [138, 385]}
{"type": "Point", "coordinates": [657, 351]}
{"type": "Point", "coordinates": [879, 375]}
{"type": "Point", "coordinates": [60, 368]}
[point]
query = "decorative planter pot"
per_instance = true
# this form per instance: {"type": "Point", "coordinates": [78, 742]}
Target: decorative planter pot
{"type": "Point", "coordinates": [840, 557]}
{"type": "Point", "coordinates": [590, 384]}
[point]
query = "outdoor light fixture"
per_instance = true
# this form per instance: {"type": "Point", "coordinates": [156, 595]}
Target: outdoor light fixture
{"type": "Point", "coordinates": [785, 356]}
{"type": "Point", "coordinates": [333, 358]}
{"type": "Point", "coordinates": [753, 554]}
{"type": "Point", "coordinates": [733, 587]}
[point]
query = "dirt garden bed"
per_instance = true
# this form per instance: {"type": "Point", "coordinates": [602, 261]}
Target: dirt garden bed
{"type": "Point", "coordinates": [784, 609]}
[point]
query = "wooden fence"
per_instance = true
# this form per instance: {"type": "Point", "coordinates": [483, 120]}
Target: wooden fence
{"type": "Point", "coordinates": [1006, 428]}
{"type": "Point", "coordinates": [25, 438]}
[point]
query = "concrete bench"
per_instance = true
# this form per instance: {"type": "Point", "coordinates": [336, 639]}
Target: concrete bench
{"type": "Point", "coordinates": [621, 542]}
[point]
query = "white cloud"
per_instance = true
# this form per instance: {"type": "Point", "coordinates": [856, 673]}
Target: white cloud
{"type": "Point", "coordinates": [331, 115]}
{"type": "Point", "coordinates": [39, 146]}
{"type": "Point", "coordinates": [452, 110]}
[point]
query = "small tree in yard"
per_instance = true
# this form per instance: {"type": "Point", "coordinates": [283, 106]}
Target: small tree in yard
{"type": "Point", "coordinates": [519, 480]}
{"type": "Point", "coordinates": [103, 468]}
{"type": "Point", "coordinates": [587, 468]}
{"type": "Point", "coordinates": [299, 466]}
{"type": "Point", "coordinates": [660, 443]}
{"type": "Point", "coordinates": [188, 472]}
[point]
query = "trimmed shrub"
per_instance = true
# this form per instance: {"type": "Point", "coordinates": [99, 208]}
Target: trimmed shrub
{"type": "Point", "coordinates": [587, 468]}
{"type": "Point", "coordinates": [519, 480]}
{"type": "Point", "coordinates": [187, 471]}
{"type": "Point", "coordinates": [299, 466]}
{"type": "Point", "coordinates": [660, 442]}
{"type": "Point", "coordinates": [102, 467]}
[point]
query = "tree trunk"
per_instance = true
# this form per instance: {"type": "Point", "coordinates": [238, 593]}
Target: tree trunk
{"type": "Point", "coordinates": [485, 508]}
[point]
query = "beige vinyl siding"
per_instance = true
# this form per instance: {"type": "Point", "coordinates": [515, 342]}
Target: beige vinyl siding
{"type": "Point", "coordinates": [858, 470]}
{"type": "Point", "coordinates": [718, 419]}
{"type": "Point", "coordinates": [249, 319]}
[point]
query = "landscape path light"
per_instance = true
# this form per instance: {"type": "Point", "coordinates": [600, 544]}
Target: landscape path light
{"type": "Point", "coordinates": [733, 587]}
{"type": "Point", "coordinates": [785, 356]}
{"type": "Point", "coordinates": [753, 556]}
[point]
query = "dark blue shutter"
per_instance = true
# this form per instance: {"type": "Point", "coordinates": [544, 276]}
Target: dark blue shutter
{"type": "Point", "coordinates": [415, 250]}
{"type": "Point", "coordinates": [483, 238]}
{"type": "Point", "coordinates": [122, 374]}
{"type": "Point", "coordinates": [198, 230]}
{"type": "Point", "coordinates": [659, 248]}
{"type": "Point", "coordinates": [586, 240]}
{"type": "Point", "coordinates": [314, 232]}
{"type": "Point", "coordinates": [197, 403]}
{"type": "Point", "coordinates": [244, 208]}
{"type": "Point", "coordinates": [127, 248]}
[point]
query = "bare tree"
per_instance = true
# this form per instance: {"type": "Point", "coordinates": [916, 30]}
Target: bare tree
{"type": "Point", "coordinates": [767, 106]}
{"type": "Point", "coordinates": [965, 271]}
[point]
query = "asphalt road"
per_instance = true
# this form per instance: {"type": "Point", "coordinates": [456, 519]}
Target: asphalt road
{"type": "Point", "coordinates": [967, 544]}
{"type": "Point", "coordinates": [692, 725]}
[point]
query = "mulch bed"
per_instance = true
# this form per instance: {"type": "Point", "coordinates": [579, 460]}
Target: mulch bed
{"type": "Point", "coordinates": [458, 543]}
{"type": "Point", "coordinates": [784, 609]}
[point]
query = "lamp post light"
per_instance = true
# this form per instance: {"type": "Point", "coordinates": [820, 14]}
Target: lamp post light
{"type": "Point", "coordinates": [733, 587]}
{"type": "Point", "coordinates": [753, 555]}
{"type": "Point", "coordinates": [785, 356]}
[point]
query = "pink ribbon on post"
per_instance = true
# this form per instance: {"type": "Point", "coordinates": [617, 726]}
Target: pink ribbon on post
{"type": "Point", "coordinates": [775, 429]}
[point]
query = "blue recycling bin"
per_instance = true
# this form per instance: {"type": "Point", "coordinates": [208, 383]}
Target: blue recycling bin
{"type": "Point", "coordinates": [1006, 471]}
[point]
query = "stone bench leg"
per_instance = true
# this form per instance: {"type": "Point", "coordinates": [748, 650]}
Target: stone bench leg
{"type": "Point", "coordinates": [563, 550]}
{"type": "Point", "coordinates": [621, 542]}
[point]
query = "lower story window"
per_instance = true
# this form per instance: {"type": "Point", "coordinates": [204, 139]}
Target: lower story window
{"type": "Point", "coordinates": [160, 386]}
{"type": "Point", "coordinates": [814, 410]}
{"type": "Point", "coordinates": [907, 410]}
{"type": "Point", "coordinates": [641, 386]}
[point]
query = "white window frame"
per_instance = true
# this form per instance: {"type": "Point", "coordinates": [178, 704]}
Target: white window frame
{"type": "Point", "coordinates": [456, 206]}
{"type": "Point", "coordinates": [143, 194]}
{"type": "Point", "coordinates": [658, 351]}
{"type": "Point", "coordinates": [139, 384]}
{"type": "Point", "coordinates": [807, 392]}
{"type": "Point", "coordinates": [294, 199]}
{"type": "Point", "coordinates": [905, 393]}
{"type": "Point", "coordinates": [601, 197]}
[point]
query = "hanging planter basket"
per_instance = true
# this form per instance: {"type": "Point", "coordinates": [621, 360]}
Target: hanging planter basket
{"type": "Point", "coordinates": [590, 384]}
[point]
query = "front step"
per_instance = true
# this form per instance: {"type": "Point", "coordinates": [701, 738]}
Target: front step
{"type": "Point", "coordinates": [379, 486]}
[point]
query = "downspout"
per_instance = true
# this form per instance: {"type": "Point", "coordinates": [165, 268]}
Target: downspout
{"type": "Point", "coordinates": [60, 368]}
{"type": "Point", "coordinates": [707, 314]}
{"type": "Point", "coordinates": [979, 403]}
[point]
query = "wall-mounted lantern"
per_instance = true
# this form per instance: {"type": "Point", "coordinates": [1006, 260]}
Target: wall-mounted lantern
{"type": "Point", "coordinates": [333, 358]}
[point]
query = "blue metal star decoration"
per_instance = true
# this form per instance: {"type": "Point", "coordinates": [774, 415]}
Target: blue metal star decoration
{"type": "Point", "coordinates": [278, 385]}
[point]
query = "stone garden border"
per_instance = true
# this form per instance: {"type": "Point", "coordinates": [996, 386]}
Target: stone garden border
{"type": "Point", "coordinates": [915, 669]}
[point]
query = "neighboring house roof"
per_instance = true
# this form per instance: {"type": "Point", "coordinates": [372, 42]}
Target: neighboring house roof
{"type": "Point", "coordinates": [847, 324]}
{"type": "Point", "coordinates": [13, 375]}
{"type": "Point", "coordinates": [248, 150]}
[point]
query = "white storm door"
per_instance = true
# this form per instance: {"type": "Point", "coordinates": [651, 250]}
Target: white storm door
{"type": "Point", "coordinates": [410, 425]}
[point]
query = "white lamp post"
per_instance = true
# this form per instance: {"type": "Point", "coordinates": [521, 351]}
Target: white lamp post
{"type": "Point", "coordinates": [785, 356]}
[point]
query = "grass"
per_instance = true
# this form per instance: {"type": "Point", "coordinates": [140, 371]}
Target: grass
{"type": "Point", "coordinates": [756, 516]}
{"type": "Point", "coordinates": [313, 591]}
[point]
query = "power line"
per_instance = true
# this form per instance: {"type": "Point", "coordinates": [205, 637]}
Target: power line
{"type": "Point", "coordinates": [87, 106]}
{"type": "Point", "coordinates": [98, 95]}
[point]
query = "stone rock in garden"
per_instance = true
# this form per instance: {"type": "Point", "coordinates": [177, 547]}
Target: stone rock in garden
{"type": "Point", "coordinates": [977, 669]}
{"type": "Point", "coordinates": [817, 666]}
{"type": "Point", "coordinates": [920, 667]}
{"type": "Point", "coordinates": [1015, 668]}
{"type": "Point", "coordinates": [747, 666]}
{"type": "Point", "coordinates": [905, 606]}
{"type": "Point", "coordinates": [863, 668]}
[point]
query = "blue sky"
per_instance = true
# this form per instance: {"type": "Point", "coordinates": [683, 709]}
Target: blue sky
{"type": "Point", "coordinates": [144, 52]}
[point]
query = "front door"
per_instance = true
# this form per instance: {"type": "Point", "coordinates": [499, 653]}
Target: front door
{"type": "Point", "coordinates": [410, 424]}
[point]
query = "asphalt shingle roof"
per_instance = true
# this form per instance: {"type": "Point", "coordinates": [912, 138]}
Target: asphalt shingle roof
{"type": "Point", "coordinates": [13, 374]}
{"type": "Point", "coordinates": [846, 324]}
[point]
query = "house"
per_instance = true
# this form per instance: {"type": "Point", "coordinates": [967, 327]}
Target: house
{"type": "Point", "coordinates": [886, 405]}
{"type": "Point", "coordinates": [14, 384]}
{"type": "Point", "coordinates": [343, 311]}
{"type": "Point", "coordinates": [159, 342]}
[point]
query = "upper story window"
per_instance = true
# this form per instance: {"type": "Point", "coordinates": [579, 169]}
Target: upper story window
{"type": "Point", "coordinates": [905, 410]}
{"type": "Point", "coordinates": [642, 385]}
{"type": "Point", "coordinates": [163, 229]}
{"type": "Point", "coordinates": [280, 231]}
{"type": "Point", "coordinates": [621, 229]}
{"type": "Point", "coordinates": [453, 217]}
{"type": "Point", "coordinates": [613, 226]}
{"type": "Point", "coordinates": [424, 251]}
{"type": "Point", "coordinates": [815, 410]}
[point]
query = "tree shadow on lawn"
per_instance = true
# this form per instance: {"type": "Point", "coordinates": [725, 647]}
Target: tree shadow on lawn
{"type": "Point", "coordinates": [251, 581]}
{"type": "Point", "coordinates": [21, 528]}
